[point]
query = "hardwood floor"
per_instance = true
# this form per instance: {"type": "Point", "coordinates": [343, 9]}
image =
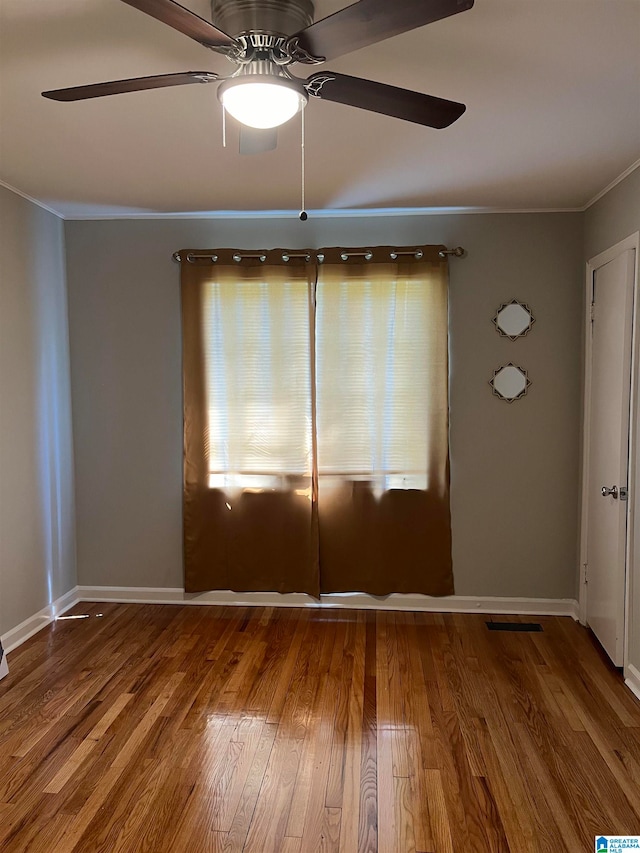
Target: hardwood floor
{"type": "Point", "coordinates": [201, 729]}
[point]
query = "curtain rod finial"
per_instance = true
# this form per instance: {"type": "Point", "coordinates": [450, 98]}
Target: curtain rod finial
{"type": "Point", "coordinates": [458, 252]}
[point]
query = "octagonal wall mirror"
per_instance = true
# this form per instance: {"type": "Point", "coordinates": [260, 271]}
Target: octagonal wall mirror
{"type": "Point", "coordinates": [510, 382]}
{"type": "Point", "coordinates": [513, 319]}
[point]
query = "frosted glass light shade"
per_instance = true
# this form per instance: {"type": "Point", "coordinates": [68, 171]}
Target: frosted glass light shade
{"type": "Point", "coordinates": [261, 103]}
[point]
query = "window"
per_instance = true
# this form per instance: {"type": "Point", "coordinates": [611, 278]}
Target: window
{"type": "Point", "coordinates": [372, 373]}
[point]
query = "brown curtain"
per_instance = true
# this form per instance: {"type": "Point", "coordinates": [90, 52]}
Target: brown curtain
{"type": "Point", "coordinates": [316, 422]}
{"type": "Point", "coordinates": [382, 403]}
{"type": "Point", "coordinates": [250, 523]}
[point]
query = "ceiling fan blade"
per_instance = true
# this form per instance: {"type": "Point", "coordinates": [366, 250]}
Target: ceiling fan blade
{"type": "Point", "coordinates": [255, 140]}
{"type": "Point", "coordinates": [380, 98]}
{"type": "Point", "coordinates": [368, 22]}
{"type": "Point", "coordinates": [185, 21]}
{"type": "Point", "coordinates": [135, 84]}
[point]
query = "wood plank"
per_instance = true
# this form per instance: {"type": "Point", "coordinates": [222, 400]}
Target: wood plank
{"type": "Point", "coordinates": [269, 821]}
{"type": "Point", "coordinates": [384, 741]}
{"type": "Point", "coordinates": [311, 781]}
{"type": "Point", "coordinates": [249, 734]}
{"type": "Point", "coordinates": [352, 776]}
{"type": "Point", "coordinates": [368, 810]}
{"type": "Point", "coordinates": [315, 827]}
{"type": "Point", "coordinates": [286, 670]}
{"type": "Point", "coordinates": [438, 814]}
{"type": "Point", "coordinates": [308, 803]}
{"type": "Point", "coordinates": [518, 828]}
{"type": "Point", "coordinates": [419, 730]}
{"type": "Point", "coordinates": [396, 673]}
{"type": "Point", "coordinates": [341, 669]}
{"type": "Point", "coordinates": [243, 816]}
{"type": "Point", "coordinates": [404, 817]}
{"type": "Point", "coordinates": [330, 837]}
{"type": "Point", "coordinates": [88, 745]}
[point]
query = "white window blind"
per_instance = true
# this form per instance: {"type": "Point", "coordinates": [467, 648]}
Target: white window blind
{"type": "Point", "coordinates": [258, 379]}
{"type": "Point", "coordinates": [373, 389]}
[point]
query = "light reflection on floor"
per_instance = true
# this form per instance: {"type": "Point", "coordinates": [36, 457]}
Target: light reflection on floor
{"type": "Point", "coordinates": [77, 616]}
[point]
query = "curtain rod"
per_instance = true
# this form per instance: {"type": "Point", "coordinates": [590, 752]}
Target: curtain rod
{"type": "Point", "coordinates": [192, 257]}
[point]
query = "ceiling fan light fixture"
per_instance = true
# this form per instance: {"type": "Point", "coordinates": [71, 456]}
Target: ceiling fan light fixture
{"type": "Point", "coordinates": [262, 102]}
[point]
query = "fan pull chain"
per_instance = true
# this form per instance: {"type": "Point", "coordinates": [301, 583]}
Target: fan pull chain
{"type": "Point", "coordinates": [224, 127]}
{"type": "Point", "coordinates": [303, 212]}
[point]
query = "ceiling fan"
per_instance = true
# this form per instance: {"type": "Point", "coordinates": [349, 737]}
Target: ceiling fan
{"type": "Point", "coordinates": [269, 37]}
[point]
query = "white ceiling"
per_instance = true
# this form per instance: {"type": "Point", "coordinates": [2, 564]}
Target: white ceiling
{"type": "Point", "coordinates": [552, 89]}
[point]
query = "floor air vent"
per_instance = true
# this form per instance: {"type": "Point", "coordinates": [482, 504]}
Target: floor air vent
{"type": "Point", "coordinates": [514, 626]}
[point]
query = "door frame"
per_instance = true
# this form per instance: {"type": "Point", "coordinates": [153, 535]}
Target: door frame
{"type": "Point", "coordinates": [633, 506]}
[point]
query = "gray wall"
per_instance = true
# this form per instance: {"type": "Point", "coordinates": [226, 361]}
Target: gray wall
{"type": "Point", "coordinates": [37, 537]}
{"type": "Point", "coordinates": [514, 467]}
{"type": "Point", "coordinates": [610, 220]}
{"type": "Point", "coordinates": [614, 217]}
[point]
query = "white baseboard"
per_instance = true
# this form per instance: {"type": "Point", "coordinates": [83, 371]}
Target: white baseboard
{"type": "Point", "coordinates": [632, 679]}
{"type": "Point", "coordinates": [18, 635]}
{"type": "Point", "coordinates": [4, 667]}
{"type": "Point", "coordinates": [575, 609]}
{"type": "Point", "coordinates": [357, 601]}
{"type": "Point", "coordinates": [349, 601]}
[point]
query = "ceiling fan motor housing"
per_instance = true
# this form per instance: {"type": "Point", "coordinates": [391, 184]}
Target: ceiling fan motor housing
{"type": "Point", "coordinates": [267, 16]}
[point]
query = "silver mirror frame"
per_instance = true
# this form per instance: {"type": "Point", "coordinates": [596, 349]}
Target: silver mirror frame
{"type": "Point", "coordinates": [518, 396]}
{"type": "Point", "coordinates": [526, 329]}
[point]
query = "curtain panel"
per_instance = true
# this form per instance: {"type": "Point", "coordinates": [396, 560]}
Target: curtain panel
{"type": "Point", "coordinates": [250, 523]}
{"type": "Point", "coordinates": [316, 421]}
{"type": "Point", "coordinates": [383, 423]}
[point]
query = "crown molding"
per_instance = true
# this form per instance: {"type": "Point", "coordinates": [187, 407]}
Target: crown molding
{"type": "Point", "coordinates": [366, 213]}
{"type": "Point", "coordinates": [349, 213]}
{"type": "Point", "coordinates": [33, 200]}
{"type": "Point", "coordinates": [613, 184]}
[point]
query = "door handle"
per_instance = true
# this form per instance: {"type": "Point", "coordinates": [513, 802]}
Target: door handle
{"type": "Point", "coordinates": [613, 491]}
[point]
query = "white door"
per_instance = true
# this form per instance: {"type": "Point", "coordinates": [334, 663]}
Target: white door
{"type": "Point", "coordinates": [608, 451]}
